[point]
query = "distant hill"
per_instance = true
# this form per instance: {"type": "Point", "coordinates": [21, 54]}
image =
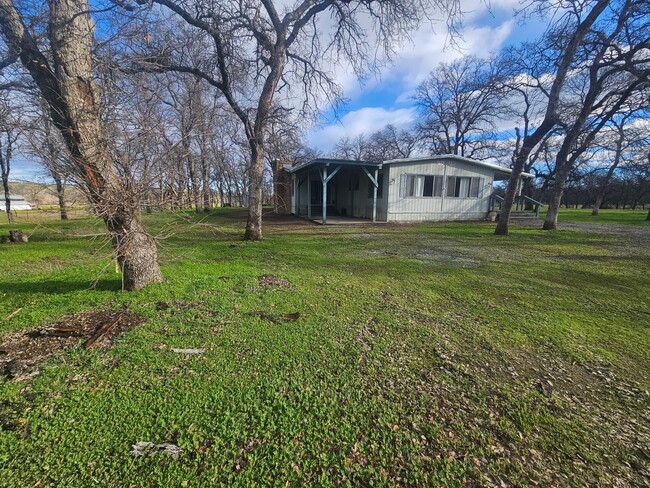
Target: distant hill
{"type": "Point", "coordinates": [39, 194]}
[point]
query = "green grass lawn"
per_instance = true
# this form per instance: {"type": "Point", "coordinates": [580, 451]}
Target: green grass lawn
{"type": "Point", "coordinates": [605, 216]}
{"type": "Point", "coordinates": [429, 354]}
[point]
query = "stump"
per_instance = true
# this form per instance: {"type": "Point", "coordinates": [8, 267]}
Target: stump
{"type": "Point", "coordinates": [17, 236]}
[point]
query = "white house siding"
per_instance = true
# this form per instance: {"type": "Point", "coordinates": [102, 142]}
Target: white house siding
{"type": "Point", "coordinates": [403, 208]}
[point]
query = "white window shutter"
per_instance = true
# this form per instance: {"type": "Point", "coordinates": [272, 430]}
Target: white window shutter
{"type": "Point", "coordinates": [402, 185]}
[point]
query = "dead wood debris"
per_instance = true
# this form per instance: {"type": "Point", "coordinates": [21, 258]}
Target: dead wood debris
{"type": "Point", "coordinates": [12, 314]}
{"type": "Point", "coordinates": [273, 281]}
{"type": "Point", "coordinates": [200, 350]}
{"type": "Point", "coordinates": [145, 448]}
{"type": "Point", "coordinates": [21, 351]}
{"type": "Point", "coordinates": [15, 236]}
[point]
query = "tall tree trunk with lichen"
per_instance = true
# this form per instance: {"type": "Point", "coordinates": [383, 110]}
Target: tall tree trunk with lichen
{"type": "Point", "coordinates": [256, 169]}
{"type": "Point", "coordinates": [256, 141]}
{"type": "Point", "coordinates": [68, 87]}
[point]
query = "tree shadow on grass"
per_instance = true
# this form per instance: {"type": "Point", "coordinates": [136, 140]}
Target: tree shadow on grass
{"type": "Point", "coordinates": [54, 287]}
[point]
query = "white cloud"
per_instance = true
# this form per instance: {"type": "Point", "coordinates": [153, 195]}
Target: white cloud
{"type": "Point", "coordinates": [411, 65]}
{"type": "Point", "coordinates": [366, 120]}
{"type": "Point", "coordinates": [430, 49]}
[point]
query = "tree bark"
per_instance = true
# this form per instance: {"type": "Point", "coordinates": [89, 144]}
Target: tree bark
{"type": "Point", "coordinates": [5, 167]}
{"type": "Point", "coordinates": [5, 186]}
{"type": "Point", "coordinates": [563, 168]}
{"type": "Point", "coordinates": [68, 86]}
{"type": "Point", "coordinates": [205, 181]}
{"type": "Point", "coordinates": [254, 223]}
{"type": "Point", "coordinates": [515, 179]}
{"type": "Point", "coordinates": [60, 194]}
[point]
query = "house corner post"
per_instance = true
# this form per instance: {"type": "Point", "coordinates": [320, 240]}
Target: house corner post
{"type": "Point", "coordinates": [374, 196]}
{"type": "Point", "coordinates": [324, 178]}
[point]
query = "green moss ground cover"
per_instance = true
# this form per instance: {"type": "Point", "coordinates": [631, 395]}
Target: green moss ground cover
{"type": "Point", "coordinates": [429, 354]}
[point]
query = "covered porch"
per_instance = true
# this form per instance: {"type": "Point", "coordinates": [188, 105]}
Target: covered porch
{"type": "Point", "coordinates": [345, 190]}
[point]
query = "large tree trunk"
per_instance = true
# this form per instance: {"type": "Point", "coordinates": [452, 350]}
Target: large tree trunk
{"type": "Point", "coordinates": [563, 168]}
{"type": "Point", "coordinates": [254, 223]}
{"type": "Point", "coordinates": [69, 89]}
{"type": "Point", "coordinates": [648, 216]}
{"type": "Point", "coordinates": [598, 203]}
{"type": "Point", "coordinates": [511, 191]}
{"type": "Point", "coordinates": [136, 251]}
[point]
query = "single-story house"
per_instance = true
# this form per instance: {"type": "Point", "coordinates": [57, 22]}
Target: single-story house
{"type": "Point", "coordinates": [446, 187]}
{"type": "Point", "coordinates": [17, 203]}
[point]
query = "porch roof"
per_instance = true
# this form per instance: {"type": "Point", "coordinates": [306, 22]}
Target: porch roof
{"type": "Point", "coordinates": [320, 162]}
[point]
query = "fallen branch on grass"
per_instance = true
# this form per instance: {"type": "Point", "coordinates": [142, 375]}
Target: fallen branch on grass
{"type": "Point", "coordinates": [102, 331]}
{"type": "Point", "coordinates": [13, 314]}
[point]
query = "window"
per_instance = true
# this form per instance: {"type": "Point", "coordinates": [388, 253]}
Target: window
{"type": "Point", "coordinates": [421, 186]}
{"type": "Point", "coordinates": [464, 186]}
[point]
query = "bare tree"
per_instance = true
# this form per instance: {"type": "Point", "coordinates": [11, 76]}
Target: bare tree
{"type": "Point", "coordinates": [391, 143]}
{"type": "Point", "coordinates": [383, 145]}
{"type": "Point", "coordinates": [353, 148]}
{"type": "Point", "coordinates": [566, 37]}
{"type": "Point", "coordinates": [8, 137]}
{"type": "Point", "coordinates": [67, 84]}
{"type": "Point", "coordinates": [261, 51]}
{"type": "Point", "coordinates": [461, 102]}
{"type": "Point", "coordinates": [607, 77]}
{"type": "Point", "coordinates": [623, 137]}
{"type": "Point", "coordinates": [45, 145]}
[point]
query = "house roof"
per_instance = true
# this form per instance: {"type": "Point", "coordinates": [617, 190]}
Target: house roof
{"type": "Point", "coordinates": [500, 172]}
{"type": "Point", "coordinates": [498, 169]}
{"type": "Point", "coordinates": [332, 162]}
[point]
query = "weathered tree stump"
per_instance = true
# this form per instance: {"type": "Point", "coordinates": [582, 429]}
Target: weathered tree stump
{"type": "Point", "coordinates": [17, 236]}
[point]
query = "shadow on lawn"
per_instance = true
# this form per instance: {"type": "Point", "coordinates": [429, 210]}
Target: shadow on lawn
{"type": "Point", "coordinates": [52, 287]}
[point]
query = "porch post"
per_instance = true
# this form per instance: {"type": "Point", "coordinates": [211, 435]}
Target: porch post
{"type": "Point", "coordinates": [309, 194]}
{"type": "Point", "coordinates": [294, 192]}
{"type": "Point", "coordinates": [374, 196]}
{"type": "Point", "coordinates": [375, 184]}
{"type": "Point", "coordinates": [324, 178]}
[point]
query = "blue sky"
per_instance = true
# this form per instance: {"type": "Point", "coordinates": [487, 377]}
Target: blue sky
{"type": "Point", "coordinates": [386, 98]}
